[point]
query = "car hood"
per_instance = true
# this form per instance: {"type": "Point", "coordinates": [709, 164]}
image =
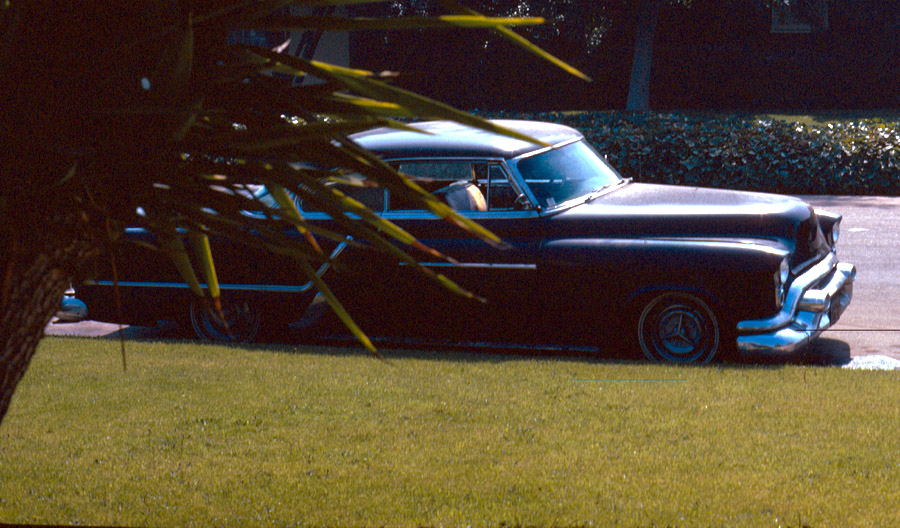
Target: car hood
{"type": "Point", "coordinates": [667, 211]}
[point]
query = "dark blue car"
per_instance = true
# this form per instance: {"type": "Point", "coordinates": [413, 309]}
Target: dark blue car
{"type": "Point", "coordinates": [682, 273]}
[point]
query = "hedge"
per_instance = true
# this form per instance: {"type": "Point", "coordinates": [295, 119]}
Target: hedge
{"type": "Point", "coordinates": [744, 152]}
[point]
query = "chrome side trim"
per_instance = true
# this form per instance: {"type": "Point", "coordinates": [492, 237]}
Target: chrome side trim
{"type": "Point", "coordinates": [270, 288]}
{"type": "Point", "coordinates": [419, 214]}
{"type": "Point", "coordinates": [274, 288]}
{"type": "Point", "coordinates": [547, 148]}
{"type": "Point", "coordinates": [478, 265]}
{"type": "Point", "coordinates": [671, 242]}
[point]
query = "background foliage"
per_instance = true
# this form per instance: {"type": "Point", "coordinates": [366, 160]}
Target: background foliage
{"type": "Point", "coordinates": [858, 157]}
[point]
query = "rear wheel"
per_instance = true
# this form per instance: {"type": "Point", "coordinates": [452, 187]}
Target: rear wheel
{"type": "Point", "coordinates": [679, 328]}
{"type": "Point", "coordinates": [239, 321]}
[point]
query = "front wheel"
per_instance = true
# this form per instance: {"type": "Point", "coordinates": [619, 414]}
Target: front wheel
{"type": "Point", "coordinates": [679, 328]}
{"type": "Point", "coordinates": [239, 321]}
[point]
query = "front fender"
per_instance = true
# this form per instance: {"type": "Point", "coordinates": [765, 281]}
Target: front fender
{"type": "Point", "coordinates": [735, 274]}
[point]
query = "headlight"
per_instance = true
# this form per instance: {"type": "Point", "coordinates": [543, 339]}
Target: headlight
{"type": "Point", "coordinates": [835, 232]}
{"type": "Point", "coordinates": [781, 276]}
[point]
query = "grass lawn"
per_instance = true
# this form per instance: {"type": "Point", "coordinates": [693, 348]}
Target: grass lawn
{"type": "Point", "coordinates": [206, 435]}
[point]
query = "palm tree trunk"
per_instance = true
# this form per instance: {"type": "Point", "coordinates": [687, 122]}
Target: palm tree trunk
{"type": "Point", "coordinates": [40, 257]}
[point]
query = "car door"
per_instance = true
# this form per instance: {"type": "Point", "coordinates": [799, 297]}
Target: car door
{"type": "Point", "coordinates": [504, 277]}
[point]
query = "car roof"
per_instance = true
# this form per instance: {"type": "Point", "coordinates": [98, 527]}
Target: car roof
{"type": "Point", "coordinates": [451, 139]}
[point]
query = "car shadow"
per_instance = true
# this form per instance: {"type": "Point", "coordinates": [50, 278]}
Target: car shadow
{"type": "Point", "coordinates": [825, 352]}
{"type": "Point", "coordinates": [339, 344]}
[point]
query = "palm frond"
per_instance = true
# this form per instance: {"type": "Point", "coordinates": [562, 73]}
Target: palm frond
{"type": "Point", "coordinates": [518, 40]}
{"type": "Point", "coordinates": [178, 127]}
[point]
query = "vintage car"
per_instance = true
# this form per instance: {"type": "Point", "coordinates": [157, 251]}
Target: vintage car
{"type": "Point", "coordinates": [590, 258]}
{"type": "Point", "coordinates": [71, 309]}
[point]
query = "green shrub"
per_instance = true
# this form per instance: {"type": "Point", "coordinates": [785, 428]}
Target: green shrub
{"type": "Point", "coordinates": [744, 152]}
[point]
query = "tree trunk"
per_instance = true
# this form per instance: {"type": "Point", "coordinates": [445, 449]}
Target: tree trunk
{"type": "Point", "coordinates": [59, 134]}
{"type": "Point", "coordinates": [39, 258]}
{"type": "Point", "coordinates": [645, 30]}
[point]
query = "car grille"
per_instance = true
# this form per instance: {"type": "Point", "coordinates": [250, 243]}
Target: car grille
{"type": "Point", "coordinates": [811, 245]}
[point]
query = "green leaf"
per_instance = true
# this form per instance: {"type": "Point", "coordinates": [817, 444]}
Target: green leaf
{"type": "Point", "coordinates": [200, 243]}
{"type": "Point", "coordinates": [338, 308]}
{"type": "Point", "coordinates": [360, 81]}
{"type": "Point", "coordinates": [406, 188]}
{"type": "Point", "coordinates": [176, 250]}
{"type": "Point", "coordinates": [521, 41]}
{"type": "Point", "coordinates": [287, 206]}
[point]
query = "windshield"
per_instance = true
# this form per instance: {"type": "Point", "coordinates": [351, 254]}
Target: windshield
{"type": "Point", "coordinates": [567, 172]}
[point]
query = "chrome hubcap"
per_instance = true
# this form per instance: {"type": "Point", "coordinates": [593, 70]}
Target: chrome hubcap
{"type": "Point", "coordinates": [681, 331]}
{"type": "Point", "coordinates": [678, 327]}
{"type": "Point", "coordinates": [239, 322]}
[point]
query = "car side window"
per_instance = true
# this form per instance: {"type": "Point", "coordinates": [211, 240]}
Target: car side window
{"type": "Point", "coordinates": [452, 181]}
{"type": "Point", "coordinates": [464, 185]}
{"type": "Point", "coordinates": [371, 197]}
{"type": "Point", "coordinates": [501, 195]}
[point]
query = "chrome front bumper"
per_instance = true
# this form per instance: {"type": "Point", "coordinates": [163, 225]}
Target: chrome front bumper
{"type": "Point", "coordinates": [814, 302]}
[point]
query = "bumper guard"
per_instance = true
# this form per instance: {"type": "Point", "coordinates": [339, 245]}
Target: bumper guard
{"type": "Point", "coordinates": [814, 302]}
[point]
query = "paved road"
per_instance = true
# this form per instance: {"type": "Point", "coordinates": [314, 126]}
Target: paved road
{"type": "Point", "coordinates": [870, 239]}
